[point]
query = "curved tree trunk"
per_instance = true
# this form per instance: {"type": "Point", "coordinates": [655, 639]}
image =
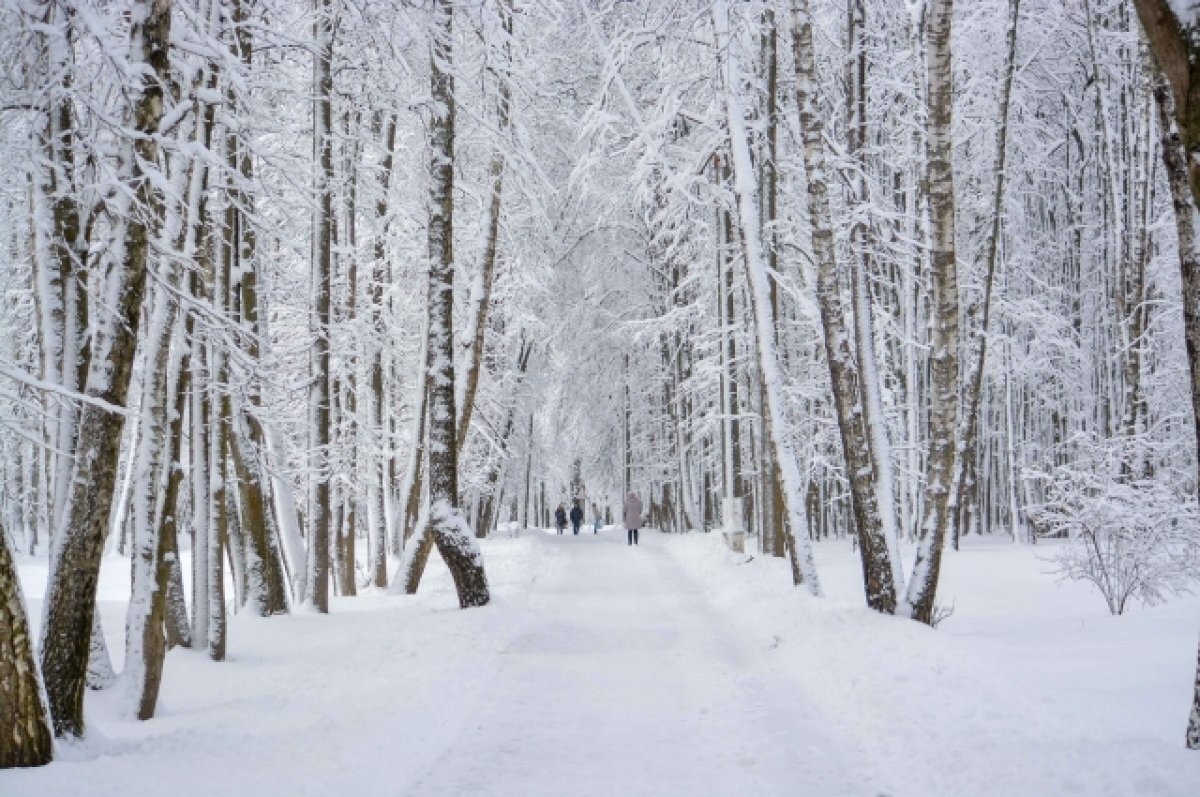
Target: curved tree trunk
{"type": "Point", "coordinates": [24, 723]}
{"type": "Point", "coordinates": [760, 305]}
{"type": "Point", "coordinates": [447, 525]}
{"type": "Point", "coordinates": [71, 597]}
{"type": "Point", "coordinates": [1178, 99]}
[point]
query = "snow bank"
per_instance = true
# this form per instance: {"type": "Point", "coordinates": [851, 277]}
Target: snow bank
{"type": "Point", "coordinates": [1029, 688]}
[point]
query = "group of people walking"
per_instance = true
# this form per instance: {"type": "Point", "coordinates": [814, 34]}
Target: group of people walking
{"type": "Point", "coordinates": [632, 517]}
{"type": "Point", "coordinates": [560, 518]}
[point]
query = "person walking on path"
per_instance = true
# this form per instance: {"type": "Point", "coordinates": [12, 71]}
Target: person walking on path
{"type": "Point", "coordinates": [597, 519]}
{"type": "Point", "coordinates": [633, 517]}
{"type": "Point", "coordinates": [576, 517]}
{"type": "Point", "coordinates": [560, 519]}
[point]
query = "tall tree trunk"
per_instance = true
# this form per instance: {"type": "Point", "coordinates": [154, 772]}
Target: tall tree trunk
{"type": "Point", "coordinates": [1178, 99]}
{"type": "Point", "coordinates": [267, 593]}
{"type": "Point", "coordinates": [864, 324]}
{"type": "Point", "coordinates": [978, 318]}
{"type": "Point", "coordinates": [63, 279]}
{"type": "Point", "coordinates": [491, 481]}
{"type": "Point", "coordinates": [179, 632]}
{"type": "Point", "coordinates": [447, 524]}
{"type": "Point", "coordinates": [760, 294]}
{"type": "Point", "coordinates": [319, 396]}
{"type": "Point", "coordinates": [379, 489]}
{"type": "Point", "coordinates": [943, 412]}
{"type": "Point", "coordinates": [24, 721]}
{"type": "Point", "coordinates": [843, 370]}
{"type": "Point", "coordinates": [71, 597]}
{"type": "Point", "coordinates": [482, 290]}
{"type": "Point", "coordinates": [145, 643]}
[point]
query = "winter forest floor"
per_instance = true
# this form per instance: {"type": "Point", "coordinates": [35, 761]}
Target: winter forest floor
{"type": "Point", "coordinates": [673, 668]}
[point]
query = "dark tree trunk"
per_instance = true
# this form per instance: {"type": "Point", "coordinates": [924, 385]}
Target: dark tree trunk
{"type": "Point", "coordinates": [24, 725]}
{"type": "Point", "coordinates": [71, 597]}
{"type": "Point", "coordinates": [447, 524]}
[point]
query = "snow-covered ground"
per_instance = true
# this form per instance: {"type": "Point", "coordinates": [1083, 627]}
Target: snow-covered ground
{"type": "Point", "coordinates": [673, 668]}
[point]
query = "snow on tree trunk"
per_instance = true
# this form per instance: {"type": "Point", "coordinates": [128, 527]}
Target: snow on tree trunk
{"type": "Point", "coordinates": [864, 324]}
{"type": "Point", "coordinates": [379, 493]}
{"type": "Point", "coordinates": [145, 644]}
{"type": "Point", "coordinates": [843, 370]}
{"type": "Point", "coordinates": [979, 316]}
{"type": "Point", "coordinates": [267, 593]}
{"type": "Point", "coordinates": [943, 413]}
{"type": "Point", "coordinates": [287, 516]}
{"type": "Point", "coordinates": [760, 299]}
{"type": "Point", "coordinates": [319, 396]}
{"type": "Point", "coordinates": [24, 721]}
{"type": "Point", "coordinates": [1193, 729]}
{"type": "Point", "coordinates": [1178, 100]}
{"type": "Point", "coordinates": [447, 526]}
{"type": "Point", "coordinates": [481, 294]}
{"type": "Point", "coordinates": [75, 560]}
{"type": "Point", "coordinates": [198, 444]}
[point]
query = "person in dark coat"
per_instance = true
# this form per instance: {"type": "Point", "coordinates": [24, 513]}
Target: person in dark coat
{"type": "Point", "coordinates": [560, 518]}
{"type": "Point", "coordinates": [632, 517]}
{"type": "Point", "coordinates": [576, 517]}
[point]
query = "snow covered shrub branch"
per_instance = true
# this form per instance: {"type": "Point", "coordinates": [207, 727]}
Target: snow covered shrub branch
{"type": "Point", "coordinates": [1132, 536]}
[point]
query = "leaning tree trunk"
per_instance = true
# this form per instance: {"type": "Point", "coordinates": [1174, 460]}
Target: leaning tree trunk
{"type": "Point", "coordinates": [760, 295]}
{"type": "Point", "coordinates": [943, 412]}
{"type": "Point", "coordinates": [24, 723]}
{"type": "Point", "coordinates": [447, 526]}
{"type": "Point", "coordinates": [482, 290]}
{"type": "Point", "coordinates": [843, 369]}
{"type": "Point", "coordinates": [1178, 99]}
{"type": "Point", "coordinates": [71, 597]}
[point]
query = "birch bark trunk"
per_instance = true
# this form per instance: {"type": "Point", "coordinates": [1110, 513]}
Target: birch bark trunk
{"type": "Point", "coordinates": [743, 173]}
{"type": "Point", "coordinates": [979, 317]}
{"type": "Point", "coordinates": [938, 514]}
{"type": "Point", "coordinates": [843, 369]}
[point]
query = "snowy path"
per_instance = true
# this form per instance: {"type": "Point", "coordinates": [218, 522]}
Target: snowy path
{"type": "Point", "coordinates": [673, 668]}
{"type": "Point", "coordinates": [599, 669]}
{"type": "Point", "coordinates": [627, 683]}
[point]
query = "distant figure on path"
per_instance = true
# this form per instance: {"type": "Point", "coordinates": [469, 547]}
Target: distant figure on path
{"type": "Point", "coordinates": [597, 518]}
{"type": "Point", "coordinates": [560, 519]}
{"type": "Point", "coordinates": [576, 517]}
{"type": "Point", "coordinates": [633, 517]}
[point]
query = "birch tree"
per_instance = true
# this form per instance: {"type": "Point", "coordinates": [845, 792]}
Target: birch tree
{"type": "Point", "coordinates": [876, 550]}
{"type": "Point", "coordinates": [943, 412]}
{"type": "Point", "coordinates": [804, 568]}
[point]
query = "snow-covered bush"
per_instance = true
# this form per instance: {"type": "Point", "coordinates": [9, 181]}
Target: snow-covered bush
{"type": "Point", "coordinates": [1132, 537]}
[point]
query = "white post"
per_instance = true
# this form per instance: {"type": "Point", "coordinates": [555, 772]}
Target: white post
{"type": "Point", "coordinates": [731, 523]}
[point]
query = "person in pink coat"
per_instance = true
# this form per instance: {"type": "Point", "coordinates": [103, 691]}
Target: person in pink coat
{"type": "Point", "coordinates": [633, 517]}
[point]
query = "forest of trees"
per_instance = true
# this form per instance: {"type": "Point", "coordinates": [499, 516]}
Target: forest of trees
{"type": "Point", "coordinates": [311, 288]}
